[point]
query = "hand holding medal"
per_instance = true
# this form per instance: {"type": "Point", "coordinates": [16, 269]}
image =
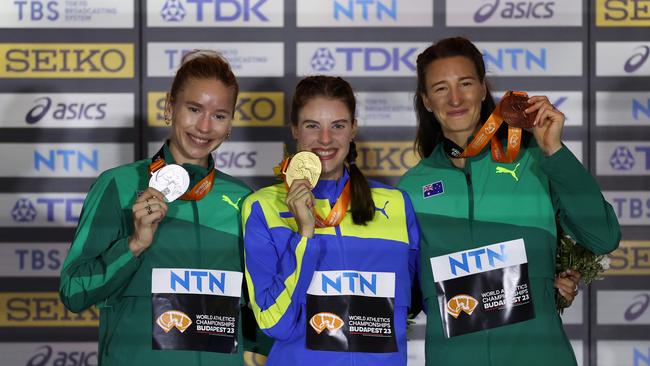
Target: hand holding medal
{"type": "Point", "coordinates": [303, 169]}
{"type": "Point", "coordinates": [171, 180]}
{"type": "Point", "coordinates": [148, 210]}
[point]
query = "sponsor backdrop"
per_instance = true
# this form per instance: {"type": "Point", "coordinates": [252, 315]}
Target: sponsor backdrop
{"type": "Point", "coordinates": [82, 88]}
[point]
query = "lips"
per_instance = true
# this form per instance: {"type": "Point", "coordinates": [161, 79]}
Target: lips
{"type": "Point", "coordinates": [199, 140]}
{"type": "Point", "coordinates": [325, 154]}
{"type": "Point", "coordinates": [456, 113]}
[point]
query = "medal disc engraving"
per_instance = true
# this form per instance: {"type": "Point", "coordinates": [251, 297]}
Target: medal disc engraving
{"type": "Point", "coordinates": [171, 180]}
{"type": "Point", "coordinates": [512, 110]}
{"type": "Point", "coordinates": [304, 165]}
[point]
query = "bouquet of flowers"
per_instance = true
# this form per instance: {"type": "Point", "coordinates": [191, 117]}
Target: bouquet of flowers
{"type": "Point", "coordinates": [571, 255]}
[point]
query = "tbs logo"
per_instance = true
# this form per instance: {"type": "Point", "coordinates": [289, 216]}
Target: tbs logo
{"type": "Point", "coordinates": [35, 10]}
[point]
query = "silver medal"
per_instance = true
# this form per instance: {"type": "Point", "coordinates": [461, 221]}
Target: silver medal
{"type": "Point", "coordinates": [171, 180]}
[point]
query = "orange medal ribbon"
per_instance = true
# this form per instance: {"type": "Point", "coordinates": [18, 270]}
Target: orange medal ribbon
{"type": "Point", "coordinates": [197, 192]}
{"type": "Point", "coordinates": [486, 133]}
{"type": "Point", "coordinates": [340, 208]}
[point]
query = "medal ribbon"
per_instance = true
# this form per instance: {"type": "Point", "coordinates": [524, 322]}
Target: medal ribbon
{"type": "Point", "coordinates": [197, 192]}
{"type": "Point", "coordinates": [485, 134]}
{"type": "Point", "coordinates": [339, 209]}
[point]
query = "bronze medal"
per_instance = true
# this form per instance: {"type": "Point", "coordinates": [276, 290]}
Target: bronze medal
{"type": "Point", "coordinates": [513, 105]}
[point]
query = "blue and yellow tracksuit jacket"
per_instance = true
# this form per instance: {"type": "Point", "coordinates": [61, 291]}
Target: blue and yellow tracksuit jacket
{"type": "Point", "coordinates": [280, 264]}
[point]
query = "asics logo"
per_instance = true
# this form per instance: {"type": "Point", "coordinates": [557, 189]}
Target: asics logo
{"type": "Point", "coordinates": [513, 173]}
{"type": "Point", "coordinates": [227, 200]}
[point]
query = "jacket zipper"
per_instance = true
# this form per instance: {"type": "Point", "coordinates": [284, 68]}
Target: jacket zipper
{"type": "Point", "coordinates": [467, 171]}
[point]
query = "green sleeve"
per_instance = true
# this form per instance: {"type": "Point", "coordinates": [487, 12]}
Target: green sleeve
{"type": "Point", "coordinates": [99, 262]}
{"type": "Point", "coordinates": [584, 213]}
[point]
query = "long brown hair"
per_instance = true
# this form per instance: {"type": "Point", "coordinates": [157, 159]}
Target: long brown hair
{"type": "Point", "coordinates": [429, 132]}
{"type": "Point", "coordinates": [362, 205]}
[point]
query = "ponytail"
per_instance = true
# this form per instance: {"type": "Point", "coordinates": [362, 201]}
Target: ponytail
{"type": "Point", "coordinates": [362, 205]}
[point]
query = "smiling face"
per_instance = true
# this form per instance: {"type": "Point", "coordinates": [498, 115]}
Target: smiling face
{"type": "Point", "coordinates": [201, 120]}
{"type": "Point", "coordinates": [325, 127]}
{"type": "Point", "coordinates": [454, 94]}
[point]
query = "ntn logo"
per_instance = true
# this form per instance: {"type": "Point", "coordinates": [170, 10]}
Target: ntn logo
{"type": "Point", "coordinates": [190, 279]}
{"type": "Point", "coordinates": [56, 159]}
{"type": "Point", "coordinates": [640, 107]}
{"type": "Point", "coordinates": [464, 263]}
{"type": "Point", "coordinates": [515, 58]}
{"type": "Point", "coordinates": [515, 10]}
{"type": "Point", "coordinates": [353, 282]}
{"type": "Point", "coordinates": [382, 9]}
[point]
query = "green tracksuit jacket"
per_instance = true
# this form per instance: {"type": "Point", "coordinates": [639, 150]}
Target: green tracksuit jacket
{"type": "Point", "coordinates": [100, 268]}
{"type": "Point", "coordinates": [487, 203]}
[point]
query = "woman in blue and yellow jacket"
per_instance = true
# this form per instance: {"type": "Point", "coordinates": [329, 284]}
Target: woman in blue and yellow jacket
{"type": "Point", "coordinates": [330, 291]}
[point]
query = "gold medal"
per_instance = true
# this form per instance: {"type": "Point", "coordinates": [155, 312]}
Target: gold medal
{"type": "Point", "coordinates": [303, 165]}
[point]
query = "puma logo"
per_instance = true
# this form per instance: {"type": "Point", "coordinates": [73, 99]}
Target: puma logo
{"type": "Point", "coordinates": [383, 210]}
{"type": "Point", "coordinates": [227, 200]}
{"type": "Point", "coordinates": [501, 169]}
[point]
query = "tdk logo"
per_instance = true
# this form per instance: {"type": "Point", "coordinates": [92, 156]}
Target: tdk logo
{"type": "Point", "coordinates": [640, 109]}
{"type": "Point", "coordinates": [66, 159]}
{"type": "Point", "coordinates": [189, 280]}
{"type": "Point", "coordinates": [515, 10]}
{"type": "Point", "coordinates": [637, 59]}
{"type": "Point", "coordinates": [37, 10]}
{"type": "Point", "coordinates": [374, 59]}
{"type": "Point", "coordinates": [25, 211]}
{"type": "Point", "coordinates": [217, 10]}
{"type": "Point", "coordinates": [65, 111]}
{"type": "Point", "coordinates": [365, 9]}
{"type": "Point", "coordinates": [349, 282]}
{"type": "Point", "coordinates": [515, 59]}
{"type": "Point", "coordinates": [622, 159]}
{"type": "Point", "coordinates": [480, 258]}
{"type": "Point", "coordinates": [173, 11]}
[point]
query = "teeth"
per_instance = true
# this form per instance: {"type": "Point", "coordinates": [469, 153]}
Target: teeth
{"type": "Point", "coordinates": [199, 140]}
{"type": "Point", "coordinates": [324, 153]}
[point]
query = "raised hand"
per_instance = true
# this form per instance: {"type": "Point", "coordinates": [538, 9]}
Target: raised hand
{"type": "Point", "coordinates": [301, 203]}
{"type": "Point", "coordinates": [148, 210]}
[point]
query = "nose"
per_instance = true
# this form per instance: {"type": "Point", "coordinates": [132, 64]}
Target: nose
{"type": "Point", "coordinates": [203, 124]}
{"type": "Point", "coordinates": [455, 97]}
{"type": "Point", "coordinates": [324, 136]}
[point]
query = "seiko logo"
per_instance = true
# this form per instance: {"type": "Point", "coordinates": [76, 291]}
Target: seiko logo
{"type": "Point", "coordinates": [622, 10]}
{"type": "Point", "coordinates": [64, 111]}
{"type": "Point", "coordinates": [632, 257]}
{"type": "Point", "coordinates": [637, 59]}
{"type": "Point", "coordinates": [515, 10]}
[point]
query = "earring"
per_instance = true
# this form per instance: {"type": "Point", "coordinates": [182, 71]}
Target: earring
{"type": "Point", "coordinates": [228, 136]}
{"type": "Point", "coordinates": [168, 120]}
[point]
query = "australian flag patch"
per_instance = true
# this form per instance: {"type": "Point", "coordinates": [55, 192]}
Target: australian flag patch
{"type": "Point", "coordinates": [433, 189]}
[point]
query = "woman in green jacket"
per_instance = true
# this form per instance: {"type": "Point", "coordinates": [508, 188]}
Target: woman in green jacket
{"type": "Point", "coordinates": [488, 218]}
{"type": "Point", "coordinates": [166, 274]}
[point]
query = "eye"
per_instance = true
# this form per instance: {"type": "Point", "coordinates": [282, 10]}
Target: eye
{"type": "Point", "coordinates": [311, 125]}
{"type": "Point", "coordinates": [467, 83]}
{"type": "Point", "coordinates": [440, 89]}
{"type": "Point", "coordinates": [220, 117]}
{"type": "Point", "coordinates": [193, 109]}
{"type": "Point", "coordinates": [339, 125]}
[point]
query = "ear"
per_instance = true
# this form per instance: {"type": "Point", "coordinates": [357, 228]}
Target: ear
{"type": "Point", "coordinates": [484, 90]}
{"type": "Point", "coordinates": [426, 103]}
{"type": "Point", "coordinates": [294, 131]}
{"type": "Point", "coordinates": [353, 133]}
{"type": "Point", "coordinates": [169, 110]}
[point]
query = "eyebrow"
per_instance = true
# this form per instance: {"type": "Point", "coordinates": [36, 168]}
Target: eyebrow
{"type": "Point", "coordinates": [460, 79]}
{"type": "Point", "coordinates": [335, 121]}
{"type": "Point", "coordinates": [196, 104]}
